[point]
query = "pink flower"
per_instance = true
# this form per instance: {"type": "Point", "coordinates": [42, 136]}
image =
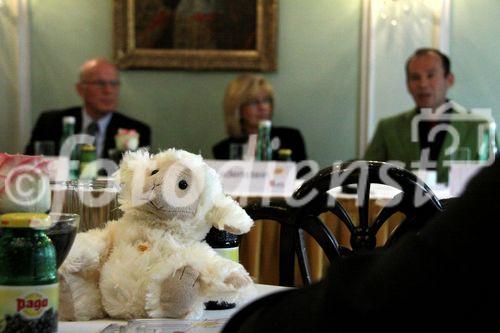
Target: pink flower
{"type": "Point", "coordinates": [127, 139]}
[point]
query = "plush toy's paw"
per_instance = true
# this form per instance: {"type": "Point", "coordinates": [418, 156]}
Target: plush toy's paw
{"type": "Point", "coordinates": [79, 298]}
{"type": "Point", "coordinates": [66, 309]}
{"type": "Point", "coordinates": [238, 280]}
{"type": "Point", "coordinates": [180, 292]}
{"type": "Point", "coordinates": [85, 254]}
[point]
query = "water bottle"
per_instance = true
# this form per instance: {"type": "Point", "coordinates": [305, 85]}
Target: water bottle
{"type": "Point", "coordinates": [29, 290]}
{"type": "Point", "coordinates": [264, 150]}
{"type": "Point", "coordinates": [74, 160]}
{"type": "Point", "coordinates": [488, 147]}
{"type": "Point", "coordinates": [285, 155]}
{"type": "Point", "coordinates": [88, 169]}
{"type": "Point", "coordinates": [227, 246]}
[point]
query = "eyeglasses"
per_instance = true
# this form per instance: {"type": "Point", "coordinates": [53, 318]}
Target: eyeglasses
{"type": "Point", "coordinates": [102, 83]}
{"type": "Point", "coordinates": [256, 102]}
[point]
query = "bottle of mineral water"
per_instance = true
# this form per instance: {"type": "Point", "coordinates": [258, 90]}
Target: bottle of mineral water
{"type": "Point", "coordinates": [264, 150]}
{"type": "Point", "coordinates": [74, 158]}
{"type": "Point", "coordinates": [226, 245]}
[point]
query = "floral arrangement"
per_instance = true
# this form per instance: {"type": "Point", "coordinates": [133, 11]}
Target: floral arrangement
{"type": "Point", "coordinates": [24, 184]}
{"type": "Point", "coordinates": [127, 139]}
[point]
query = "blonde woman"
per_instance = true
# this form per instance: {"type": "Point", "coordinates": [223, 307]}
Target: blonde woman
{"type": "Point", "coordinates": [248, 100]}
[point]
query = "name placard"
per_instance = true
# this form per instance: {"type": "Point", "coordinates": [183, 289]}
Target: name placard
{"type": "Point", "coordinates": [255, 178]}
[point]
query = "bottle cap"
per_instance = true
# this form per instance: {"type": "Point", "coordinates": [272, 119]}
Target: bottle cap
{"type": "Point", "coordinates": [216, 236]}
{"type": "Point", "coordinates": [69, 120]}
{"type": "Point", "coordinates": [265, 123]}
{"type": "Point", "coordinates": [285, 152]}
{"type": "Point", "coordinates": [87, 148]}
{"type": "Point", "coordinates": [25, 220]}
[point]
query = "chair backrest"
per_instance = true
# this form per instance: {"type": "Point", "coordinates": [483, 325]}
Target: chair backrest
{"type": "Point", "coordinates": [292, 244]}
{"type": "Point", "coordinates": [416, 200]}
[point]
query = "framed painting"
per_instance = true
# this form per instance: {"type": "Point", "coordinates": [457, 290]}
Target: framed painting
{"type": "Point", "coordinates": [196, 34]}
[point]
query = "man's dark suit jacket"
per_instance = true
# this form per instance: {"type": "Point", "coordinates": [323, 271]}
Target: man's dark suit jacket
{"type": "Point", "coordinates": [443, 278]}
{"type": "Point", "coordinates": [49, 128]}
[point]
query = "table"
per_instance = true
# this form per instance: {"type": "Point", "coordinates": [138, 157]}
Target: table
{"type": "Point", "coordinates": [217, 316]}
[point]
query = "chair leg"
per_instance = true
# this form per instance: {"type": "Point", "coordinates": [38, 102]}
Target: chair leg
{"type": "Point", "coordinates": [287, 255]}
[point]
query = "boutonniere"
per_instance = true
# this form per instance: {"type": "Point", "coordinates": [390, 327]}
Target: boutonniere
{"type": "Point", "coordinates": [24, 184]}
{"type": "Point", "coordinates": [127, 139]}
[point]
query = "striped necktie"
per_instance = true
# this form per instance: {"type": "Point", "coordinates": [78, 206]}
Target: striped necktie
{"type": "Point", "coordinates": [93, 129]}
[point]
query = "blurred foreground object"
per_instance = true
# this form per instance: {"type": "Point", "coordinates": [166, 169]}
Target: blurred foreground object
{"type": "Point", "coordinates": [28, 275]}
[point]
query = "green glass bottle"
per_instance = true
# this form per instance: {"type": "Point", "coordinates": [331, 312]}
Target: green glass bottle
{"type": "Point", "coordinates": [29, 289]}
{"type": "Point", "coordinates": [264, 150]}
{"type": "Point", "coordinates": [226, 245]}
{"type": "Point", "coordinates": [74, 159]}
{"type": "Point", "coordinates": [88, 169]}
{"type": "Point", "coordinates": [488, 147]}
{"type": "Point", "coordinates": [285, 155]}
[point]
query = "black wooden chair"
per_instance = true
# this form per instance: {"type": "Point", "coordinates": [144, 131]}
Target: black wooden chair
{"type": "Point", "coordinates": [416, 201]}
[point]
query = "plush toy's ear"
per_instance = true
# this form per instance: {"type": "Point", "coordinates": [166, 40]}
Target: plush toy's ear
{"type": "Point", "coordinates": [227, 215]}
{"type": "Point", "coordinates": [129, 164]}
{"type": "Point", "coordinates": [222, 212]}
{"type": "Point", "coordinates": [131, 175]}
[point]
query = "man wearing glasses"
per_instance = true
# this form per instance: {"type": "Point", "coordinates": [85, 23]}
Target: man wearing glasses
{"type": "Point", "coordinates": [99, 88]}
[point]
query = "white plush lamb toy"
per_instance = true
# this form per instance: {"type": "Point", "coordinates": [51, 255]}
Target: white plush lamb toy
{"type": "Point", "coordinates": [153, 261]}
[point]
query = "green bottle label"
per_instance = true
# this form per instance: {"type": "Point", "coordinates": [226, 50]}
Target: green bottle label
{"type": "Point", "coordinates": [231, 253]}
{"type": "Point", "coordinates": [88, 170]}
{"type": "Point", "coordinates": [29, 305]}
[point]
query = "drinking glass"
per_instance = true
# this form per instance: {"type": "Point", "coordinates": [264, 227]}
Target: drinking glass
{"type": "Point", "coordinates": [95, 201]}
{"type": "Point", "coordinates": [62, 233]}
{"type": "Point", "coordinates": [235, 151]}
{"type": "Point", "coordinates": [46, 148]}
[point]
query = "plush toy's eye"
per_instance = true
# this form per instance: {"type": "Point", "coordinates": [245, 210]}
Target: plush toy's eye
{"type": "Point", "coordinates": [183, 184]}
{"type": "Point", "coordinates": [154, 172]}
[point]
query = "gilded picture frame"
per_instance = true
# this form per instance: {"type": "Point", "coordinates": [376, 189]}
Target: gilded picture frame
{"type": "Point", "coordinates": [196, 34]}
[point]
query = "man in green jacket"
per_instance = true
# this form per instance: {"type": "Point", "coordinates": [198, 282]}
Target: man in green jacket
{"type": "Point", "coordinates": [436, 130]}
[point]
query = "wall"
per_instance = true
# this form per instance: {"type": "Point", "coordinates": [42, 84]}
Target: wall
{"type": "Point", "coordinates": [399, 28]}
{"type": "Point", "coordinates": [316, 82]}
{"type": "Point", "coordinates": [8, 75]}
{"type": "Point", "coordinates": [475, 47]}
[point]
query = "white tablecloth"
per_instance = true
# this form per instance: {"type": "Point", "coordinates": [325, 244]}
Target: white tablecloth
{"type": "Point", "coordinates": [95, 326]}
{"type": "Point", "coordinates": [380, 191]}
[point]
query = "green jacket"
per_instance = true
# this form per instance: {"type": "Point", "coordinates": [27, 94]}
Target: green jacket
{"type": "Point", "coordinates": [393, 140]}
